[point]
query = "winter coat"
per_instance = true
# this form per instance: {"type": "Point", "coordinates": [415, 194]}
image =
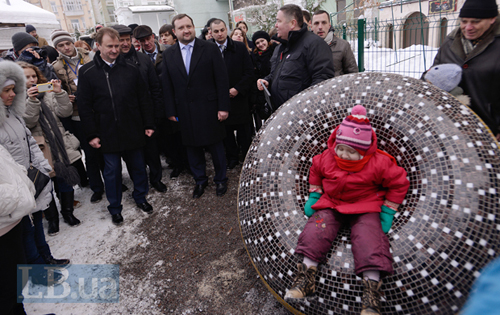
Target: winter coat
{"type": "Point", "coordinates": [343, 58]}
{"type": "Point", "coordinates": [15, 136]}
{"type": "Point", "coordinates": [302, 61]}
{"type": "Point", "coordinates": [17, 192]}
{"type": "Point", "coordinates": [262, 67]}
{"type": "Point", "coordinates": [114, 104]}
{"type": "Point", "coordinates": [357, 192]}
{"type": "Point", "coordinates": [196, 98]}
{"type": "Point", "coordinates": [61, 107]}
{"type": "Point", "coordinates": [67, 76]}
{"type": "Point", "coordinates": [41, 41]}
{"type": "Point", "coordinates": [148, 74]}
{"type": "Point", "coordinates": [240, 73]}
{"type": "Point", "coordinates": [42, 65]}
{"type": "Point", "coordinates": [481, 72]}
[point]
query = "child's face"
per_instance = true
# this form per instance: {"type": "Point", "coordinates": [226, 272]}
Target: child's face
{"type": "Point", "coordinates": [345, 152]}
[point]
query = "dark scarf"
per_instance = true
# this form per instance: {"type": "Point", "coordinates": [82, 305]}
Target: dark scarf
{"type": "Point", "coordinates": [63, 168]}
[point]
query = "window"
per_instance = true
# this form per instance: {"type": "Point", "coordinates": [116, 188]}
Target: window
{"type": "Point", "coordinates": [72, 5]}
{"type": "Point", "coordinates": [83, 24]}
{"type": "Point", "coordinates": [75, 24]}
{"type": "Point", "coordinates": [443, 25]}
{"type": "Point", "coordinates": [54, 6]}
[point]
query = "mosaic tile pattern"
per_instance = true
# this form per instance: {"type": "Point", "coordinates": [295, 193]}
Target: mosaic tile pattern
{"type": "Point", "coordinates": [447, 229]}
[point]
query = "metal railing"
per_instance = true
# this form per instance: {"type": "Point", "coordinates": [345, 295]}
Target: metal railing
{"type": "Point", "coordinates": [404, 46]}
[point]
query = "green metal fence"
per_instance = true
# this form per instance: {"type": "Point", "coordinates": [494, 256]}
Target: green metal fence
{"type": "Point", "coordinates": [404, 46]}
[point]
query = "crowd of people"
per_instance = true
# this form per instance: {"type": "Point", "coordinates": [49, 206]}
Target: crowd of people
{"type": "Point", "coordinates": [136, 96]}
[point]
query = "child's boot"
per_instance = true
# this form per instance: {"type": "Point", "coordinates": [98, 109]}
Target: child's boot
{"type": "Point", "coordinates": [371, 297]}
{"type": "Point", "coordinates": [303, 284]}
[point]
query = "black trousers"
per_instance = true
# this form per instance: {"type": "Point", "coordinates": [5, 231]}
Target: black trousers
{"type": "Point", "coordinates": [198, 164]}
{"type": "Point", "coordinates": [12, 253]}
{"type": "Point", "coordinates": [94, 160]}
{"type": "Point", "coordinates": [152, 157]}
{"type": "Point", "coordinates": [233, 143]}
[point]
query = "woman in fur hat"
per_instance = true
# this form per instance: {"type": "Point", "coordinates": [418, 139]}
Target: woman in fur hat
{"type": "Point", "coordinates": [17, 140]}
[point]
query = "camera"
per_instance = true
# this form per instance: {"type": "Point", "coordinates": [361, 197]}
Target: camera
{"type": "Point", "coordinates": [42, 52]}
{"type": "Point", "coordinates": [45, 87]}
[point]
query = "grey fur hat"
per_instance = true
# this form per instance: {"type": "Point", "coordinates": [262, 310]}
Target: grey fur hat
{"type": "Point", "coordinates": [446, 76]}
{"type": "Point", "coordinates": [11, 70]}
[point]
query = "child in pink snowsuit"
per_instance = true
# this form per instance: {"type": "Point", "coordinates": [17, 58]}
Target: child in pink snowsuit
{"type": "Point", "coordinates": [352, 182]}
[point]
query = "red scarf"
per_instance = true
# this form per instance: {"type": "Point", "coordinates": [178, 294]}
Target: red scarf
{"type": "Point", "coordinates": [356, 166]}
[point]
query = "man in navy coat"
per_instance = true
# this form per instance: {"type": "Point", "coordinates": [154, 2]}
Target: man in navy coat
{"type": "Point", "coordinates": [195, 88]}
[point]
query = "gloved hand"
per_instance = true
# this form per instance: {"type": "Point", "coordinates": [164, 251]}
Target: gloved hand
{"type": "Point", "coordinates": [386, 217]}
{"type": "Point", "coordinates": [313, 198]}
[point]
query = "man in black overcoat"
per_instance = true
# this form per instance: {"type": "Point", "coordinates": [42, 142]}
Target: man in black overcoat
{"type": "Point", "coordinates": [195, 89]}
{"type": "Point", "coordinates": [116, 112]}
{"type": "Point", "coordinates": [240, 72]}
{"type": "Point", "coordinates": [149, 76]}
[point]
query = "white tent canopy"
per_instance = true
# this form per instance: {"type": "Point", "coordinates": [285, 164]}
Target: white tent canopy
{"type": "Point", "coordinates": [20, 12]}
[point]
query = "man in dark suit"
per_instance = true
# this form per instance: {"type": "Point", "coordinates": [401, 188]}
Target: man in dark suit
{"type": "Point", "coordinates": [116, 112]}
{"type": "Point", "coordinates": [240, 72]}
{"type": "Point", "coordinates": [195, 88]}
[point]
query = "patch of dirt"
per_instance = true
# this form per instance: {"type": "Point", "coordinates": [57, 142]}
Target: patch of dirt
{"type": "Point", "coordinates": [191, 258]}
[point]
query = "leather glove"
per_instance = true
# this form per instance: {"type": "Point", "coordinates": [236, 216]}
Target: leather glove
{"type": "Point", "coordinates": [313, 198]}
{"type": "Point", "coordinates": [386, 217]}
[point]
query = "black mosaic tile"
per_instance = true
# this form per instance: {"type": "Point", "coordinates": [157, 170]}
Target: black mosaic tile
{"type": "Point", "coordinates": [447, 229]}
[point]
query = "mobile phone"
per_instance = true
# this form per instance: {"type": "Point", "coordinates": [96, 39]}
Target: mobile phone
{"type": "Point", "coordinates": [45, 87]}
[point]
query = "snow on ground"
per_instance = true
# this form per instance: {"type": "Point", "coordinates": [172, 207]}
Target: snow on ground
{"type": "Point", "coordinates": [97, 241]}
{"type": "Point", "coordinates": [410, 61]}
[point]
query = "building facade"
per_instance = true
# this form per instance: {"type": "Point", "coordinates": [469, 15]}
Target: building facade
{"type": "Point", "coordinates": [74, 16]}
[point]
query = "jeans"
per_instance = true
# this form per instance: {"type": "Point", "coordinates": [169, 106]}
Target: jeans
{"type": "Point", "coordinates": [35, 246]}
{"type": "Point", "coordinates": [113, 177]}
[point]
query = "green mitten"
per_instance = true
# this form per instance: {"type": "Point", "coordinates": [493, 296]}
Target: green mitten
{"type": "Point", "coordinates": [386, 217]}
{"type": "Point", "coordinates": [313, 198]}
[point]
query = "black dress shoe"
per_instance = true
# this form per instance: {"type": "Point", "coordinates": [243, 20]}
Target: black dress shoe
{"type": "Point", "coordinates": [176, 172]}
{"type": "Point", "coordinates": [146, 207]}
{"type": "Point", "coordinates": [117, 219]}
{"type": "Point", "coordinates": [231, 164]}
{"type": "Point", "coordinates": [52, 261]}
{"type": "Point", "coordinates": [221, 189]}
{"type": "Point", "coordinates": [199, 190]}
{"type": "Point", "coordinates": [159, 186]}
{"type": "Point", "coordinates": [96, 197]}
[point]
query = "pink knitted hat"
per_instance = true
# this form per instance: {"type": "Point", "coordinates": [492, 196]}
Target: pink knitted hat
{"type": "Point", "coordinates": [355, 131]}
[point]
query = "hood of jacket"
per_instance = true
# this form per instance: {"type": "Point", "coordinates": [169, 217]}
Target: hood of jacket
{"type": "Point", "coordinates": [10, 70]}
{"type": "Point", "coordinates": [331, 142]}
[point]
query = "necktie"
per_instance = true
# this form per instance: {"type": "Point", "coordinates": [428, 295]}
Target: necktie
{"type": "Point", "coordinates": [187, 59]}
{"type": "Point", "coordinates": [222, 48]}
{"type": "Point", "coordinates": [152, 56]}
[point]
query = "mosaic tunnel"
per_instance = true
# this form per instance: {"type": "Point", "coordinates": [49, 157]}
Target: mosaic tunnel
{"type": "Point", "coordinates": [447, 228]}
